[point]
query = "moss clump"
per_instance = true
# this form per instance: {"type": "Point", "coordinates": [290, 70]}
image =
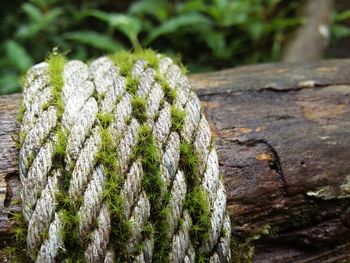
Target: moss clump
{"type": "Point", "coordinates": [72, 247]}
{"type": "Point", "coordinates": [61, 145]}
{"type": "Point", "coordinates": [196, 202]}
{"type": "Point", "coordinates": [148, 55]}
{"type": "Point", "coordinates": [22, 137]}
{"type": "Point", "coordinates": [68, 209]}
{"type": "Point", "coordinates": [189, 163]}
{"type": "Point", "coordinates": [139, 108]}
{"type": "Point", "coordinates": [177, 118]}
{"type": "Point", "coordinates": [153, 184]}
{"type": "Point", "coordinates": [16, 253]}
{"type": "Point", "coordinates": [132, 84]}
{"type": "Point", "coordinates": [21, 111]}
{"type": "Point", "coordinates": [242, 249]}
{"type": "Point", "coordinates": [148, 230]}
{"type": "Point", "coordinates": [105, 119]}
{"type": "Point", "coordinates": [108, 159]}
{"type": "Point", "coordinates": [169, 93]}
{"type": "Point", "coordinates": [18, 230]}
{"type": "Point", "coordinates": [199, 208]}
{"type": "Point", "coordinates": [147, 150]}
{"type": "Point", "coordinates": [125, 62]}
{"type": "Point", "coordinates": [56, 63]}
{"type": "Point", "coordinates": [162, 242]}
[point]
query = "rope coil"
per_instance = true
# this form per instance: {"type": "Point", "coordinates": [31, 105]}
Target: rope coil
{"type": "Point", "coordinates": [117, 164]}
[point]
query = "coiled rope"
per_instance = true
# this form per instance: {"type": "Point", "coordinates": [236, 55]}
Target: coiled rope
{"type": "Point", "coordinates": [118, 165]}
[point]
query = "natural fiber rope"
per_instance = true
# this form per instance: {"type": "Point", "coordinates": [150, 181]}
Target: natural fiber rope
{"type": "Point", "coordinates": [88, 92]}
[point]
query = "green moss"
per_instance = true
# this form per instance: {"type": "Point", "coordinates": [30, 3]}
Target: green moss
{"type": "Point", "coordinates": [61, 145]}
{"type": "Point", "coordinates": [15, 254]}
{"type": "Point", "coordinates": [148, 230]}
{"type": "Point", "coordinates": [125, 62]}
{"type": "Point", "coordinates": [177, 118]}
{"type": "Point", "coordinates": [21, 111]}
{"type": "Point", "coordinates": [105, 119]}
{"type": "Point", "coordinates": [132, 84]}
{"type": "Point", "coordinates": [108, 159]}
{"type": "Point", "coordinates": [68, 209]}
{"type": "Point", "coordinates": [22, 137]}
{"type": "Point", "coordinates": [19, 229]}
{"type": "Point", "coordinates": [147, 150]}
{"type": "Point", "coordinates": [153, 184]}
{"type": "Point", "coordinates": [169, 93]}
{"type": "Point", "coordinates": [56, 64]}
{"type": "Point", "coordinates": [202, 259]}
{"type": "Point", "coordinates": [72, 248]}
{"type": "Point", "coordinates": [242, 249]}
{"type": "Point", "coordinates": [199, 208]}
{"type": "Point", "coordinates": [178, 60]}
{"type": "Point", "coordinates": [197, 201]}
{"type": "Point", "coordinates": [163, 239]}
{"type": "Point", "coordinates": [148, 55]}
{"type": "Point", "coordinates": [189, 162]}
{"type": "Point", "coordinates": [139, 108]}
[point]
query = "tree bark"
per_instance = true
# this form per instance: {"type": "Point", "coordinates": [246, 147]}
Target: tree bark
{"type": "Point", "coordinates": [311, 39]}
{"type": "Point", "coordinates": [283, 138]}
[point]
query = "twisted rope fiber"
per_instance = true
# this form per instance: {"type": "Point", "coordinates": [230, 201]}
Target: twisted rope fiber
{"type": "Point", "coordinates": [117, 164]}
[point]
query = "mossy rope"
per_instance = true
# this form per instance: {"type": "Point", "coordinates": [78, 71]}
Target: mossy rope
{"type": "Point", "coordinates": [118, 165]}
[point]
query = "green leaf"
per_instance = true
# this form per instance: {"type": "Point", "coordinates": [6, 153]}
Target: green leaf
{"type": "Point", "coordinates": [45, 23]}
{"type": "Point", "coordinates": [217, 43]}
{"type": "Point", "coordinates": [128, 25]}
{"type": "Point", "coordinates": [95, 40]}
{"type": "Point", "coordinates": [53, 15]}
{"type": "Point", "coordinates": [28, 31]}
{"type": "Point", "coordinates": [17, 55]}
{"type": "Point", "coordinates": [340, 31]}
{"type": "Point", "coordinates": [32, 12]}
{"type": "Point", "coordinates": [9, 83]}
{"type": "Point", "coordinates": [173, 25]}
{"type": "Point", "coordinates": [157, 8]}
{"type": "Point", "coordinates": [337, 17]}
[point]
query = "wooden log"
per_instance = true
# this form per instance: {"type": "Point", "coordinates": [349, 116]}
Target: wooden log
{"type": "Point", "coordinates": [283, 138]}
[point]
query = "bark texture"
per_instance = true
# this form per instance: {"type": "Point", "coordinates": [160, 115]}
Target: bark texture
{"type": "Point", "coordinates": [283, 137]}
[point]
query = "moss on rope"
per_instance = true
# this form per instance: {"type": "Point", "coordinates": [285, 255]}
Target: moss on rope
{"type": "Point", "coordinates": [177, 118]}
{"type": "Point", "coordinates": [147, 152]}
{"type": "Point", "coordinates": [196, 201]}
{"type": "Point", "coordinates": [139, 108]}
{"type": "Point", "coordinates": [108, 159]}
{"type": "Point", "coordinates": [154, 186]}
{"type": "Point", "coordinates": [169, 93]}
{"type": "Point", "coordinates": [145, 149]}
{"type": "Point", "coordinates": [67, 208]}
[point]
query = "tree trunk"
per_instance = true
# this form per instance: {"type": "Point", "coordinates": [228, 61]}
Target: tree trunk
{"type": "Point", "coordinates": [311, 39]}
{"type": "Point", "coordinates": [283, 138]}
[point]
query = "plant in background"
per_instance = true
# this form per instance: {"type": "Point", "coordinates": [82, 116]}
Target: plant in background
{"type": "Point", "coordinates": [208, 34]}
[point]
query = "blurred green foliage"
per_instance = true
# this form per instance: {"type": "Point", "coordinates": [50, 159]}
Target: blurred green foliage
{"type": "Point", "coordinates": [209, 34]}
{"type": "Point", "coordinates": [338, 29]}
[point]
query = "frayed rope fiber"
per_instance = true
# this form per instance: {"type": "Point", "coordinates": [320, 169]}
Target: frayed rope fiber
{"type": "Point", "coordinates": [118, 164]}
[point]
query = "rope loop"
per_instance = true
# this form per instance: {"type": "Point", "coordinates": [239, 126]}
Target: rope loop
{"type": "Point", "coordinates": [118, 164]}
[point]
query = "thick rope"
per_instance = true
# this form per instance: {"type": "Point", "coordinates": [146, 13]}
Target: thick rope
{"type": "Point", "coordinates": [120, 157]}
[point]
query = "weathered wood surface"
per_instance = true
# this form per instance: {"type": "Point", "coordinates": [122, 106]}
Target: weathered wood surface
{"type": "Point", "coordinates": [283, 139]}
